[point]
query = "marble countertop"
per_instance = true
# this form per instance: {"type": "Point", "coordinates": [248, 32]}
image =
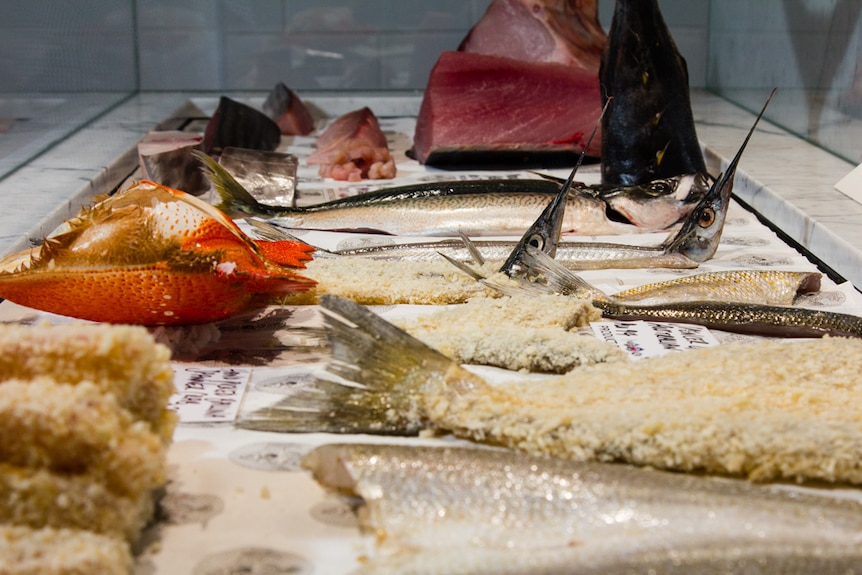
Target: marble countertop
{"type": "Point", "coordinates": [786, 180]}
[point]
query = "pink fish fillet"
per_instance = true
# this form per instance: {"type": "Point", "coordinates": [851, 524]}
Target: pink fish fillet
{"type": "Point", "coordinates": [479, 103]}
{"type": "Point", "coordinates": [353, 148]}
{"type": "Point", "coordinates": [562, 31]}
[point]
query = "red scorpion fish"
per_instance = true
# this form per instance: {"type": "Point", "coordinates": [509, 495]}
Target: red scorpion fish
{"type": "Point", "coordinates": [152, 256]}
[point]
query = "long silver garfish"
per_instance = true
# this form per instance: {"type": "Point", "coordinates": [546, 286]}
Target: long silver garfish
{"type": "Point", "coordinates": [760, 410]}
{"type": "Point", "coordinates": [746, 316]}
{"type": "Point", "coordinates": [451, 510]}
{"type": "Point", "coordinates": [474, 207]}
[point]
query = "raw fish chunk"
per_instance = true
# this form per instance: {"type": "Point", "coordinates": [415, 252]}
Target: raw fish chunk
{"type": "Point", "coordinates": [354, 148]}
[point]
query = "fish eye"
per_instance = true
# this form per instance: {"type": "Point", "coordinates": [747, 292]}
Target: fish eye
{"type": "Point", "coordinates": [707, 217]}
{"type": "Point", "coordinates": [659, 187]}
{"type": "Point", "coordinates": [536, 241]}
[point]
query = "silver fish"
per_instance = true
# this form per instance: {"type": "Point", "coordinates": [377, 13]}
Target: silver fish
{"type": "Point", "coordinates": [573, 255]}
{"type": "Point", "coordinates": [479, 207]}
{"type": "Point", "coordinates": [701, 237]}
{"type": "Point", "coordinates": [453, 510]}
{"type": "Point", "coordinates": [770, 287]}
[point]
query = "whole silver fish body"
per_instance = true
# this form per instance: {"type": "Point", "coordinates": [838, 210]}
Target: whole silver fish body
{"type": "Point", "coordinates": [573, 255]}
{"type": "Point", "coordinates": [741, 317]}
{"type": "Point", "coordinates": [466, 510]}
{"type": "Point", "coordinates": [486, 213]}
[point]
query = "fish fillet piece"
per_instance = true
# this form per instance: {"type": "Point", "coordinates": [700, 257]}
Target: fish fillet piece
{"type": "Point", "coordinates": [763, 410]}
{"type": "Point", "coordinates": [379, 282]}
{"type": "Point", "coordinates": [471, 510]}
{"type": "Point", "coordinates": [516, 333]}
{"type": "Point", "coordinates": [353, 148]}
{"type": "Point", "coordinates": [41, 498]}
{"type": "Point", "coordinates": [562, 31]}
{"type": "Point", "coordinates": [480, 103]}
{"type": "Point", "coordinates": [73, 552]}
{"type": "Point", "coordinates": [124, 361]}
{"type": "Point", "coordinates": [79, 430]}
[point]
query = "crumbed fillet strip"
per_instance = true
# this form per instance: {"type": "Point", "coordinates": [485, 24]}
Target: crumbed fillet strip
{"type": "Point", "coordinates": [375, 282]}
{"type": "Point", "coordinates": [38, 498]}
{"type": "Point", "coordinates": [122, 360]}
{"type": "Point", "coordinates": [78, 430]}
{"type": "Point", "coordinates": [525, 349]}
{"type": "Point", "coordinates": [765, 411]}
{"type": "Point", "coordinates": [27, 551]}
{"type": "Point", "coordinates": [526, 333]}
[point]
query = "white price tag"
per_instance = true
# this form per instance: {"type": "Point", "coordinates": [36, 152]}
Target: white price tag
{"type": "Point", "coordinates": [208, 394]}
{"type": "Point", "coordinates": [642, 339]}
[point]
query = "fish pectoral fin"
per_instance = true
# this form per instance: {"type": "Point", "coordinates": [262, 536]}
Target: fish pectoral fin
{"type": "Point", "coordinates": [463, 267]}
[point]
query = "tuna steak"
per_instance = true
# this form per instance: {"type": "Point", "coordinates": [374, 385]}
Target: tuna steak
{"type": "Point", "coordinates": [479, 104]}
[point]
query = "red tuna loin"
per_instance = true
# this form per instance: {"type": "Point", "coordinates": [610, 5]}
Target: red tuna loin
{"type": "Point", "coordinates": [353, 148]}
{"type": "Point", "coordinates": [479, 103]}
{"type": "Point", "coordinates": [562, 31]}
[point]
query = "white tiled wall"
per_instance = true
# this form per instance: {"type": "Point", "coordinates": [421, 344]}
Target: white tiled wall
{"type": "Point", "coordinates": [732, 47]}
{"type": "Point", "coordinates": [49, 45]}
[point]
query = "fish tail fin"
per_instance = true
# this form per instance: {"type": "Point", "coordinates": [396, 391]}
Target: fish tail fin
{"type": "Point", "coordinates": [382, 369]}
{"type": "Point", "coordinates": [235, 199]}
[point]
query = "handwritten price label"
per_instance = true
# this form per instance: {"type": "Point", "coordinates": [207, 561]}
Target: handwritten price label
{"type": "Point", "coordinates": [208, 395]}
{"type": "Point", "coordinates": [642, 339]}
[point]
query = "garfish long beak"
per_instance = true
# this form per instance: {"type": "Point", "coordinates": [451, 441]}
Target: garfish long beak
{"type": "Point", "coordinates": [700, 234]}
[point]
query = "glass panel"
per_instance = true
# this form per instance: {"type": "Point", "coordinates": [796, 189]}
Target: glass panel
{"type": "Point", "coordinates": [810, 49]}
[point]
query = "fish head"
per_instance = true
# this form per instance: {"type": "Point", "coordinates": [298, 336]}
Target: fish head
{"type": "Point", "coordinates": [660, 203]}
{"type": "Point", "coordinates": [701, 231]}
{"type": "Point", "coordinates": [700, 234]}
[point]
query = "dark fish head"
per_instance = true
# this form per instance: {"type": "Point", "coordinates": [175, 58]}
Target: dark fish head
{"type": "Point", "coordinates": [648, 132]}
{"type": "Point", "coordinates": [701, 231]}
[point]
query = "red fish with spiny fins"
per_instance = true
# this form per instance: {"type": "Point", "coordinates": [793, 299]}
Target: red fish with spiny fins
{"type": "Point", "coordinates": [153, 255]}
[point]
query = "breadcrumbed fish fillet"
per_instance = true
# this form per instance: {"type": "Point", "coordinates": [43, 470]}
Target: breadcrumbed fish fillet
{"type": "Point", "coordinates": [79, 430]}
{"type": "Point", "coordinates": [765, 410]}
{"type": "Point", "coordinates": [376, 282]}
{"type": "Point", "coordinates": [24, 551]}
{"type": "Point", "coordinates": [519, 333]}
{"type": "Point", "coordinates": [122, 360]}
{"type": "Point", "coordinates": [40, 498]}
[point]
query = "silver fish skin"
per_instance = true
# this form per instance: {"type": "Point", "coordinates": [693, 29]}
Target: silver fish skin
{"type": "Point", "coordinates": [480, 207]}
{"type": "Point", "coordinates": [659, 201]}
{"type": "Point", "coordinates": [572, 255]}
{"type": "Point", "coordinates": [452, 510]}
{"type": "Point", "coordinates": [770, 287]}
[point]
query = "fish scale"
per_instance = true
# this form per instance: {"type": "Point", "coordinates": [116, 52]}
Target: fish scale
{"type": "Point", "coordinates": [471, 510]}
